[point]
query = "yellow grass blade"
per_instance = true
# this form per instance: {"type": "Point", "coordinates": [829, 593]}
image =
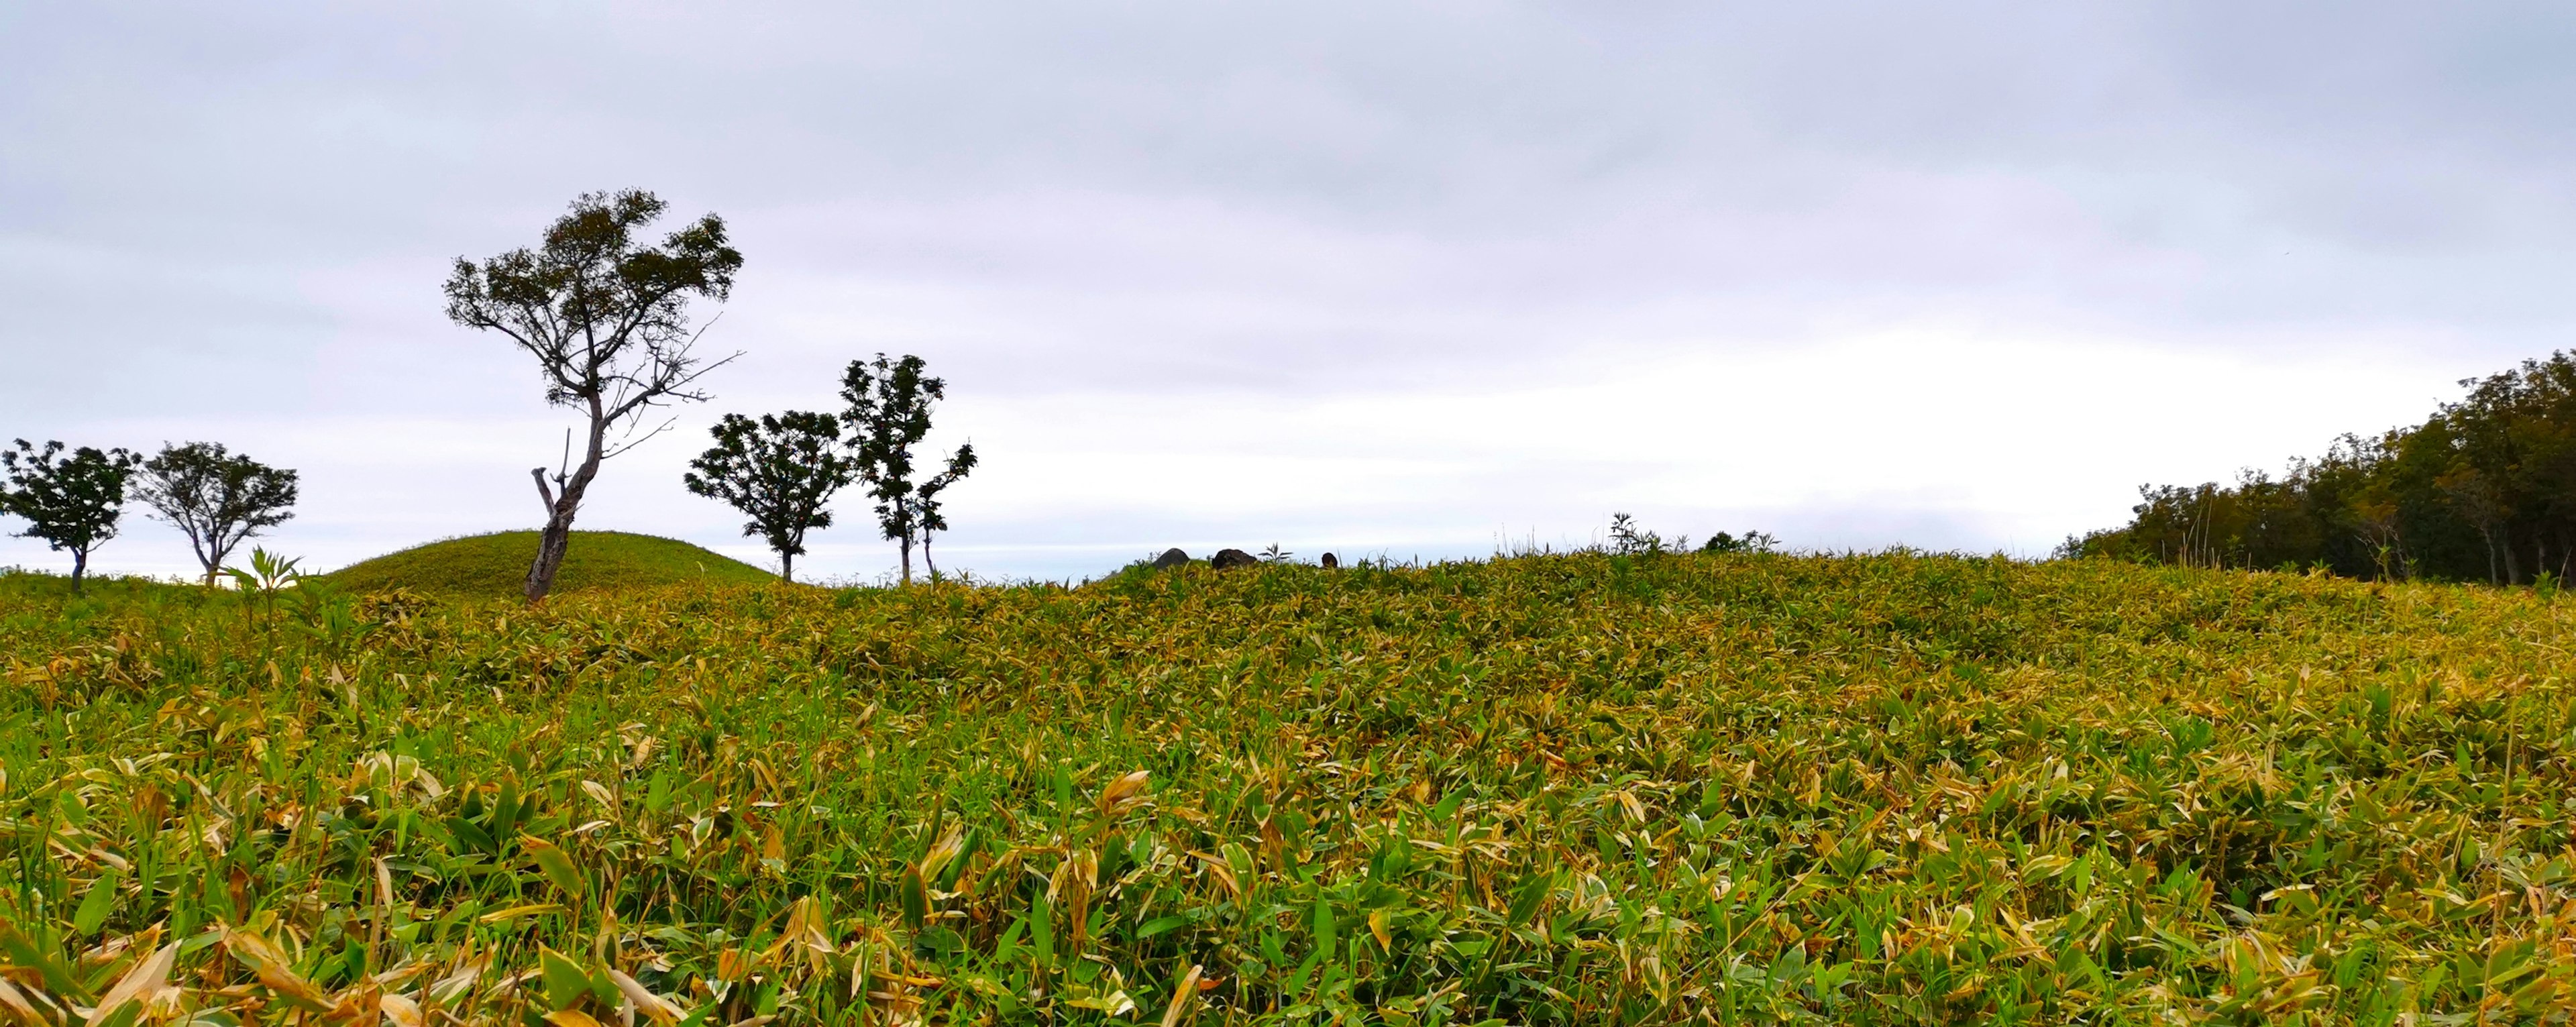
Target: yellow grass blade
{"type": "Point", "coordinates": [146, 977]}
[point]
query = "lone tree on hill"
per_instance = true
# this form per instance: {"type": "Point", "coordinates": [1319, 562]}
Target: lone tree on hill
{"type": "Point", "coordinates": [215, 497]}
{"type": "Point", "coordinates": [889, 414]}
{"type": "Point", "coordinates": [72, 503]}
{"type": "Point", "coordinates": [608, 321]}
{"type": "Point", "coordinates": [780, 471]}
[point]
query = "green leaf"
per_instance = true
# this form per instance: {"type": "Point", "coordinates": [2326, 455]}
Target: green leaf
{"type": "Point", "coordinates": [1042, 929]}
{"type": "Point", "coordinates": [94, 906]}
{"type": "Point", "coordinates": [555, 864]}
{"type": "Point", "coordinates": [465, 835]}
{"type": "Point", "coordinates": [1324, 928]}
{"type": "Point", "coordinates": [1525, 904]}
{"type": "Point", "coordinates": [566, 981]}
{"type": "Point", "coordinates": [916, 901]}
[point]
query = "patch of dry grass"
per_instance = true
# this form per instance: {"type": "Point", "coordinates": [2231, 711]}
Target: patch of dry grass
{"type": "Point", "coordinates": [1574, 789]}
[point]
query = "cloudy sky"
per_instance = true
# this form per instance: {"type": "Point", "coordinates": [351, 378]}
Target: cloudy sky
{"type": "Point", "coordinates": [1383, 277]}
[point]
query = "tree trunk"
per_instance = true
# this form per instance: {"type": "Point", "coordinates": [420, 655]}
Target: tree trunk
{"type": "Point", "coordinates": [80, 568]}
{"type": "Point", "coordinates": [560, 509]}
{"type": "Point", "coordinates": [906, 543]}
{"type": "Point", "coordinates": [551, 547]}
{"type": "Point", "coordinates": [214, 562]}
{"type": "Point", "coordinates": [926, 561]}
{"type": "Point", "coordinates": [786, 566]}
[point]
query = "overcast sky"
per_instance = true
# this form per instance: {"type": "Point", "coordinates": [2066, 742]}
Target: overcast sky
{"type": "Point", "coordinates": [1412, 279]}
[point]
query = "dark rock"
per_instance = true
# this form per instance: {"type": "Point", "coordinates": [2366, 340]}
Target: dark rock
{"type": "Point", "coordinates": [1330, 563]}
{"type": "Point", "coordinates": [1171, 558]}
{"type": "Point", "coordinates": [1226, 558]}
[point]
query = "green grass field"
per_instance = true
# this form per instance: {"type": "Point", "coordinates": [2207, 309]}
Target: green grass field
{"type": "Point", "coordinates": [497, 564]}
{"type": "Point", "coordinates": [1572, 789]}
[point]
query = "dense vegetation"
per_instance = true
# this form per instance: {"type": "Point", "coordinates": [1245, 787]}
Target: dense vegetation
{"type": "Point", "coordinates": [1569, 789]}
{"type": "Point", "coordinates": [2484, 490]}
{"type": "Point", "coordinates": [497, 564]}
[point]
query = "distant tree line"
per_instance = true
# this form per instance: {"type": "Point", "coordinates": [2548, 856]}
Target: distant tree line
{"type": "Point", "coordinates": [606, 315]}
{"type": "Point", "coordinates": [74, 498]}
{"type": "Point", "coordinates": [2483, 490]}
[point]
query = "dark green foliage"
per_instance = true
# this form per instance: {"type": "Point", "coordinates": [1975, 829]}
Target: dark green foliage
{"type": "Point", "coordinates": [1627, 539]}
{"type": "Point", "coordinates": [215, 497]}
{"type": "Point", "coordinates": [607, 320]}
{"type": "Point", "coordinates": [1749, 542]}
{"type": "Point", "coordinates": [780, 471]}
{"type": "Point", "coordinates": [889, 414]}
{"type": "Point", "coordinates": [2485, 489]}
{"type": "Point", "coordinates": [74, 502]}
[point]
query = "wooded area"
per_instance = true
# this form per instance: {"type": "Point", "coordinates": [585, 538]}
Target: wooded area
{"type": "Point", "coordinates": [2484, 490]}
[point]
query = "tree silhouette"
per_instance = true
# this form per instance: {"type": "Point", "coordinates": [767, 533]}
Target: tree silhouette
{"type": "Point", "coordinates": [216, 498]}
{"type": "Point", "coordinates": [780, 471]}
{"type": "Point", "coordinates": [889, 413]}
{"type": "Point", "coordinates": [70, 502]}
{"type": "Point", "coordinates": [608, 321]}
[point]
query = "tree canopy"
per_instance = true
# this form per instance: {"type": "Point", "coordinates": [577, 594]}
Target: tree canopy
{"type": "Point", "coordinates": [215, 497]}
{"type": "Point", "coordinates": [71, 502]}
{"type": "Point", "coordinates": [780, 471]}
{"type": "Point", "coordinates": [889, 413]}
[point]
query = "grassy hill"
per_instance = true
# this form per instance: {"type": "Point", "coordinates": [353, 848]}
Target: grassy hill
{"type": "Point", "coordinates": [1551, 790]}
{"type": "Point", "coordinates": [496, 564]}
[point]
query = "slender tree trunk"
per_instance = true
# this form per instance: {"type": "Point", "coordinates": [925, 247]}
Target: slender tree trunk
{"type": "Point", "coordinates": [80, 568]}
{"type": "Point", "coordinates": [201, 548]}
{"type": "Point", "coordinates": [906, 544]}
{"type": "Point", "coordinates": [786, 566]}
{"type": "Point", "coordinates": [926, 561]}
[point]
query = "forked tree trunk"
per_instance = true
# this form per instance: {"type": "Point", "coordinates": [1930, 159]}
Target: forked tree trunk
{"type": "Point", "coordinates": [560, 509]}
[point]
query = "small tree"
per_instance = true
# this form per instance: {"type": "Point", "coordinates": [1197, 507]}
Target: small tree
{"type": "Point", "coordinates": [780, 471]}
{"type": "Point", "coordinates": [73, 502]}
{"type": "Point", "coordinates": [608, 321]}
{"type": "Point", "coordinates": [926, 500]}
{"type": "Point", "coordinates": [216, 498]}
{"type": "Point", "coordinates": [889, 414]}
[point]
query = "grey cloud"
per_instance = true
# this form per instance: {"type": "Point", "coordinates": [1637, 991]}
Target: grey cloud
{"type": "Point", "coordinates": [202, 207]}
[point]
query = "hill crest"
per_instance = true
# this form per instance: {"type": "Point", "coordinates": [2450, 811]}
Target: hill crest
{"type": "Point", "coordinates": [494, 564]}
